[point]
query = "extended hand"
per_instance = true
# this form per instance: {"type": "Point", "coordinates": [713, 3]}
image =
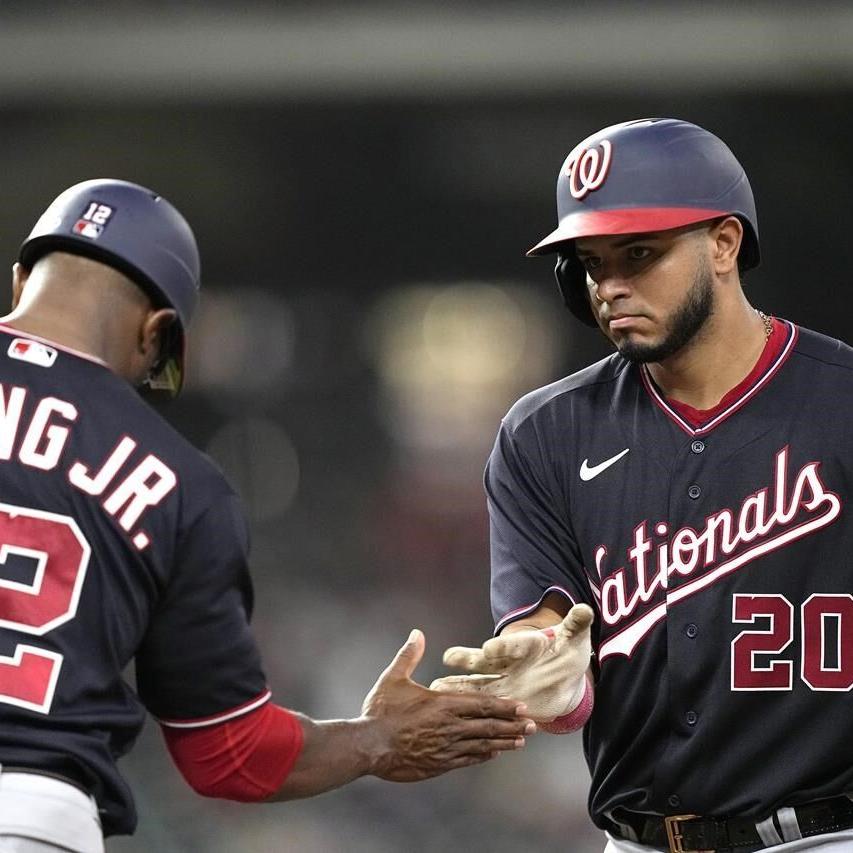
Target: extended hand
{"type": "Point", "coordinates": [544, 669]}
{"type": "Point", "coordinates": [421, 733]}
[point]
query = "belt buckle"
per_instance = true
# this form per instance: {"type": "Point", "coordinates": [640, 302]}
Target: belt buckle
{"type": "Point", "coordinates": [674, 837]}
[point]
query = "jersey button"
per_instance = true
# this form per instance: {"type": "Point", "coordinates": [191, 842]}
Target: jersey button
{"type": "Point", "coordinates": [692, 718]}
{"type": "Point", "coordinates": [697, 446]}
{"type": "Point", "coordinates": [694, 491]}
{"type": "Point", "coordinates": [691, 630]}
{"type": "Point", "coordinates": [674, 800]}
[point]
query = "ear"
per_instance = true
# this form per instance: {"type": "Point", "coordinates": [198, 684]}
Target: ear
{"type": "Point", "coordinates": [152, 331]}
{"type": "Point", "coordinates": [726, 236]}
{"type": "Point", "coordinates": [19, 279]}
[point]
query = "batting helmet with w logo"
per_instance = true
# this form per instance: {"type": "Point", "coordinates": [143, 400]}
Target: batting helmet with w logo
{"type": "Point", "coordinates": [640, 176]}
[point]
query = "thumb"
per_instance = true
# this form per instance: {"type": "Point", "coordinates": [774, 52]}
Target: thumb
{"type": "Point", "coordinates": [577, 620]}
{"type": "Point", "coordinates": [408, 657]}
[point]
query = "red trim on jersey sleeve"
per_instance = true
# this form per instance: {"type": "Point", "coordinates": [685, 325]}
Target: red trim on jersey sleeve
{"type": "Point", "coordinates": [215, 719]}
{"type": "Point", "coordinates": [245, 759]}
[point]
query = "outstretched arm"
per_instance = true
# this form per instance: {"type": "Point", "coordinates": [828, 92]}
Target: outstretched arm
{"type": "Point", "coordinates": [405, 733]}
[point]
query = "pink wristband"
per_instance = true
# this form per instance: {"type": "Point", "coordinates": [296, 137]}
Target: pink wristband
{"type": "Point", "coordinates": [576, 718]}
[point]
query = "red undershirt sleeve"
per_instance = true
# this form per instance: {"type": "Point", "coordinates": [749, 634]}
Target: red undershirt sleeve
{"type": "Point", "coordinates": [246, 758]}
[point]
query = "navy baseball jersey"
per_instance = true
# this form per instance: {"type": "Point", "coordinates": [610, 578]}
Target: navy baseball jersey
{"type": "Point", "coordinates": [717, 557]}
{"type": "Point", "coordinates": [118, 541]}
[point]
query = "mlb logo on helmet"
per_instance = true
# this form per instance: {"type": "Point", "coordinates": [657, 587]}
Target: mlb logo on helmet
{"type": "Point", "coordinates": [93, 221]}
{"type": "Point", "coordinates": [88, 229]}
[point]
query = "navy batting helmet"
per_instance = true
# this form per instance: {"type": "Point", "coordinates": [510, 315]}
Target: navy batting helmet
{"type": "Point", "coordinates": [139, 233]}
{"type": "Point", "coordinates": [644, 175]}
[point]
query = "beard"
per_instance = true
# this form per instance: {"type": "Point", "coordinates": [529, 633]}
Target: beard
{"type": "Point", "coordinates": [684, 324]}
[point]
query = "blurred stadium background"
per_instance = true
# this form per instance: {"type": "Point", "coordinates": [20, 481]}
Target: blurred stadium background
{"type": "Point", "coordinates": [364, 180]}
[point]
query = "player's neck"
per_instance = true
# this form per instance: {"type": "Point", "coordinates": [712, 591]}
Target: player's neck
{"type": "Point", "coordinates": [55, 329]}
{"type": "Point", "coordinates": [717, 360]}
{"type": "Point", "coordinates": [83, 306]}
{"type": "Point", "coordinates": [67, 329]}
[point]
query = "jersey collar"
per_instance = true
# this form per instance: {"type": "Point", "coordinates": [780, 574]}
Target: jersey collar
{"type": "Point", "coordinates": [17, 333]}
{"type": "Point", "coordinates": [698, 422]}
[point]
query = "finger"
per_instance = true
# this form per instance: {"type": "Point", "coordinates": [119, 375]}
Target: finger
{"type": "Point", "coordinates": [461, 761]}
{"type": "Point", "coordinates": [577, 620]}
{"type": "Point", "coordinates": [476, 704]}
{"type": "Point", "coordinates": [441, 765]}
{"type": "Point", "coordinates": [408, 657]}
{"type": "Point", "coordinates": [470, 760]}
{"type": "Point", "coordinates": [464, 658]}
{"type": "Point", "coordinates": [484, 746]}
{"type": "Point", "coordinates": [515, 646]}
{"type": "Point", "coordinates": [463, 683]}
{"type": "Point", "coordinates": [472, 729]}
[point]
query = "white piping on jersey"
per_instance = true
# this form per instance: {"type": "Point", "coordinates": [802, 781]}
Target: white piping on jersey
{"type": "Point", "coordinates": [626, 640]}
{"type": "Point", "coordinates": [519, 612]}
{"type": "Point", "coordinates": [218, 718]}
{"type": "Point", "coordinates": [768, 374]}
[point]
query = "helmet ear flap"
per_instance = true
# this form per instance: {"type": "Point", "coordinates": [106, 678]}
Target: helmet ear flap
{"type": "Point", "coordinates": [571, 279]}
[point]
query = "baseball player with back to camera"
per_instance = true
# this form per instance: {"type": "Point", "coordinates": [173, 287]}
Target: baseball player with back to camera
{"type": "Point", "coordinates": [121, 541]}
{"type": "Point", "coordinates": [670, 527]}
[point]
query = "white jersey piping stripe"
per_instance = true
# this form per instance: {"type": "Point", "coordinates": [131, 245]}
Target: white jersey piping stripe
{"type": "Point", "coordinates": [519, 612]}
{"type": "Point", "coordinates": [733, 407]}
{"type": "Point", "coordinates": [218, 718]}
{"type": "Point", "coordinates": [18, 333]}
{"type": "Point", "coordinates": [626, 640]}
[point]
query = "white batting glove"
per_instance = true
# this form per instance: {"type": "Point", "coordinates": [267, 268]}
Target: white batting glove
{"type": "Point", "coordinates": [544, 669]}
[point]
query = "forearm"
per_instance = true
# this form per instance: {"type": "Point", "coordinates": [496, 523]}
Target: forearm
{"type": "Point", "coordinates": [274, 754]}
{"type": "Point", "coordinates": [333, 753]}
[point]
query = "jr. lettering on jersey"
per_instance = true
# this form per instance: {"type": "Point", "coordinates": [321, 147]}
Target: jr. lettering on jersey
{"type": "Point", "coordinates": [772, 517]}
{"type": "Point", "coordinates": [127, 490]}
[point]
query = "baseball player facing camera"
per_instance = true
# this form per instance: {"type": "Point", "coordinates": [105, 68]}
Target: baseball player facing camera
{"type": "Point", "coordinates": [670, 529]}
{"type": "Point", "coordinates": [119, 541]}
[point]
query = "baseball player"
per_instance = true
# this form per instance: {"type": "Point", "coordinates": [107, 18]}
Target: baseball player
{"type": "Point", "coordinates": [119, 541]}
{"type": "Point", "coordinates": [669, 531]}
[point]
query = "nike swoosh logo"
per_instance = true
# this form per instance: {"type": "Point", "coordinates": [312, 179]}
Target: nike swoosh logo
{"type": "Point", "coordinates": [589, 473]}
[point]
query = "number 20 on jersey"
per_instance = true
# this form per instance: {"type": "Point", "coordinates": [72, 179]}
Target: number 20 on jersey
{"type": "Point", "coordinates": [826, 642]}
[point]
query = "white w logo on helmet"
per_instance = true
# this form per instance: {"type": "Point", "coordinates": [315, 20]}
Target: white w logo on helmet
{"type": "Point", "coordinates": [587, 171]}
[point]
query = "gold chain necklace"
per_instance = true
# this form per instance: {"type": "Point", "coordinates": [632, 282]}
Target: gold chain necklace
{"type": "Point", "coordinates": [768, 324]}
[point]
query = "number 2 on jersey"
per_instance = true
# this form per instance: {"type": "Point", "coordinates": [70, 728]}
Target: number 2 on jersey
{"type": "Point", "coordinates": [59, 554]}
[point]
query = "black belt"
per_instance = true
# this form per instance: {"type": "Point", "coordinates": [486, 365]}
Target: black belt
{"type": "Point", "coordinates": [692, 834]}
